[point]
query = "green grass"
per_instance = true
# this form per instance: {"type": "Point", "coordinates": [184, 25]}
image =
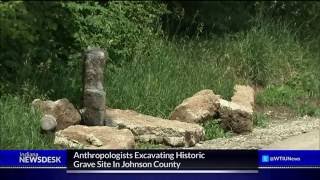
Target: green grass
{"type": "Point", "coordinates": [20, 126]}
{"type": "Point", "coordinates": [160, 77]}
{"type": "Point", "coordinates": [296, 99]}
{"type": "Point", "coordinates": [157, 81]}
{"type": "Point", "coordinates": [214, 130]}
{"type": "Point", "coordinates": [260, 120]}
{"type": "Point", "coordinates": [278, 96]}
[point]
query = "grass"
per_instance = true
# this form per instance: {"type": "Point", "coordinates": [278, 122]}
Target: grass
{"type": "Point", "coordinates": [260, 119]}
{"type": "Point", "coordinates": [284, 95]}
{"type": "Point", "coordinates": [168, 71]}
{"type": "Point", "coordinates": [20, 126]}
{"type": "Point", "coordinates": [278, 96]}
{"type": "Point", "coordinates": [154, 84]}
{"type": "Point", "coordinates": [214, 130]}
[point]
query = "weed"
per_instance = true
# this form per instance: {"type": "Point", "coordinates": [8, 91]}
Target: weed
{"type": "Point", "coordinates": [260, 119]}
{"type": "Point", "coordinates": [214, 130]}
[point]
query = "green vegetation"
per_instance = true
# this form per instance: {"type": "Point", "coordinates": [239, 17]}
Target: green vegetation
{"type": "Point", "coordinates": [284, 95]}
{"type": "Point", "coordinates": [213, 130]}
{"type": "Point", "coordinates": [20, 126]}
{"type": "Point", "coordinates": [260, 119]}
{"type": "Point", "coordinates": [159, 54]}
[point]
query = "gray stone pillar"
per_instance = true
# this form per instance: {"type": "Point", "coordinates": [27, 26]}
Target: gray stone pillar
{"type": "Point", "coordinates": [94, 96]}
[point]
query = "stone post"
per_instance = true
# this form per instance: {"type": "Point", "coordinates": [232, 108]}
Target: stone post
{"type": "Point", "coordinates": [94, 96]}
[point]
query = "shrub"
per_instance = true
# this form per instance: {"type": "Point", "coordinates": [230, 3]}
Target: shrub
{"type": "Point", "coordinates": [43, 45]}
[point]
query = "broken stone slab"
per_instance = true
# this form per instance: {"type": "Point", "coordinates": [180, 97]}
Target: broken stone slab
{"type": "Point", "coordinates": [196, 109]}
{"type": "Point", "coordinates": [153, 129]}
{"type": "Point", "coordinates": [48, 123]}
{"type": "Point", "coordinates": [235, 117]}
{"type": "Point", "coordinates": [62, 110]}
{"type": "Point", "coordinates": [243, 95]}
{"type": "Point", "coordinates": [94, 137]}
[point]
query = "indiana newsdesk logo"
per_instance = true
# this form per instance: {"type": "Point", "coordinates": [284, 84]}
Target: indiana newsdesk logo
{"type": "Point", "coordinates": [35, 158]}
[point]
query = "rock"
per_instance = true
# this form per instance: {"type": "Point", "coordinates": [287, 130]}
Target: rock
{"type": "Point", "coordinates": [200, 107]}
{"type": "Point", "coordinates": [94, 99]}
{"type": "Point", "coordinates": [93, 117]}
{"type": "Point", "coordinates": [62, 110]}
{"type": "Point", "coordinates": [235, 117]}
{"type": "Point", "coordinates": [147, 128]}
{"type": "Point", "coordinates": [94, 140]}
{"type": "Point", "coordinates": [243, 95]}
{"type": "Point", "coordinates": [94, 96]}
{"type": "Point", "coordinates": [48, 123]}
{"type": "Point", "coordinates": [237, 114]}
{"type": "Point", "coordinates": [150, 138]}
{"type": "Point", "coordinates": [94, 137]}
{"type": "Point", "coordinates": [94, 64]}
{"type": "Point", "coordinates": [174, 141]}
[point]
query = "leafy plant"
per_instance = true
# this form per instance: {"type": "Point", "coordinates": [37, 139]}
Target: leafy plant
{"type": "Point", "coordinates": [214, 130]}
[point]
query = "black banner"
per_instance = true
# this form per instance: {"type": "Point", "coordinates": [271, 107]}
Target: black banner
{"type": "Point", "coordinates": [162, 160]}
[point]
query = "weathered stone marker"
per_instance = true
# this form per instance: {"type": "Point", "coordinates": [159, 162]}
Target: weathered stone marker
{"type": "Point", "coordinates": [94, 96]}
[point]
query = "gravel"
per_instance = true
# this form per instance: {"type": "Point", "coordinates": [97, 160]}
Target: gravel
{"type": "Point", "coordinates": [277, 130]}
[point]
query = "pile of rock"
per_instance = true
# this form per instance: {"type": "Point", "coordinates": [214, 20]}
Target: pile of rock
{"type": "Point", "coordinates": [183, 128]}
{"type": "Point", "coordinates": [130, 127]}
{"type": "Point", "coordinates": [205, 105]}
{"type": "Point", "coordinates": [58, 114]}
{"type": "Point", "coordinates": [63, 117]}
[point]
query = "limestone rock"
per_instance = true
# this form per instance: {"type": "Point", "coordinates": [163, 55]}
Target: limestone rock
{"type": "Point", "coordinates": [243, 95]}
{"type": "Point", "coordinates": [94, 137]}
{"type": "Point", "coordinates": [62, 110]}
{"type": "Point", "coordinates": [174, 141]}
{"type": "Point", "coordinates": [200, 107]}
{"type": "Point", "coordinates": [94, 140]}
{"type": "Point", "coordinates": [48, 123]}
{"type": "Point", "coordinates": [235, 117]}
{"type": "Point", "coordinates": [147, 128]}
